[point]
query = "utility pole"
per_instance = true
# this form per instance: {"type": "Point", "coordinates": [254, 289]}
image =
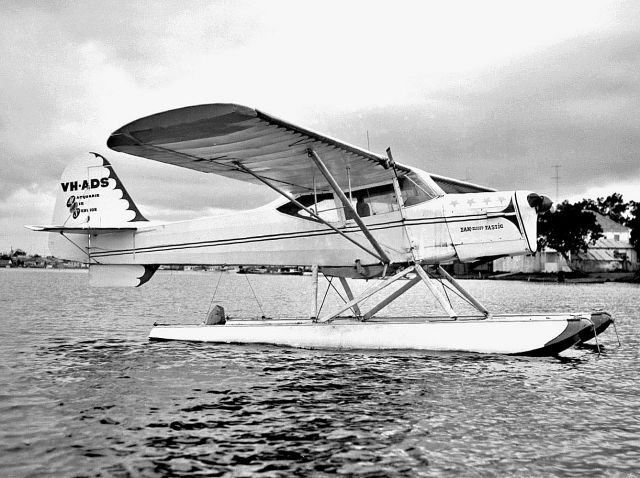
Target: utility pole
{"type": "Point", "coordinates": [557, 178]}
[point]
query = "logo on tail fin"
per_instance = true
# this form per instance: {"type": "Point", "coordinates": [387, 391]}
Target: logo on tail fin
{"type": "Point", "coordinates": [74, 209]}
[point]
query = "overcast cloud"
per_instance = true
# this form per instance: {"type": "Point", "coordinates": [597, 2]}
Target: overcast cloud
{"type": "Point", "coordinates": [496, 92]}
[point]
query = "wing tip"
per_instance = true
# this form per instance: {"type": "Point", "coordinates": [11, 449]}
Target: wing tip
{"type": "Point", "coordinates": [120, 141]}
{"type": "Point", "coordinates": [136, 133]}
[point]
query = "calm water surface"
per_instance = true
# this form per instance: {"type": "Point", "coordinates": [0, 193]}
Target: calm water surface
{"type": "Point", "coordinates": [83, 393]}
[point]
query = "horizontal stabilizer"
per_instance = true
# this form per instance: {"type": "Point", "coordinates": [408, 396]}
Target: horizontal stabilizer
{"type": "Point", "coordinates": [81, 230]}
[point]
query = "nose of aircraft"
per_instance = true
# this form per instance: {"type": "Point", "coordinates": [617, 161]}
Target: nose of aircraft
{"type": "Point", "coordinates": [541, 204]}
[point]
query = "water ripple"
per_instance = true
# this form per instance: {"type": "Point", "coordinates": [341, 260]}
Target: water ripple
{"type": "Point", "coordinates": [87, 394]}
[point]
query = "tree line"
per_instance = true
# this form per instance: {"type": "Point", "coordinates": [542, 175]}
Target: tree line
{"type": "Point", "coordinates": [573, 227]}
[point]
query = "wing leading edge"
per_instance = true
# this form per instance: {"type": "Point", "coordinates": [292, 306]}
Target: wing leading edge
{"type": "Point", "coordinates": [216, 138]}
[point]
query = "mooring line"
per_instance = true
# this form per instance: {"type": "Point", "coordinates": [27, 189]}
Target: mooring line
{"type": "Point", "coordinates": [326, 292]}
{"type": "Point", "coordinates": [338, 292]}
{"type": "Point", "coordinates": [255, 296]}
{"type": "Point", "coordinates": [214, 293]}
{"type": "Point", "coordinates": [616, 331]}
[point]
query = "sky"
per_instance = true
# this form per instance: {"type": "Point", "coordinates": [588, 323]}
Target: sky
{"type": "Point", "coordinates": [495, 92]}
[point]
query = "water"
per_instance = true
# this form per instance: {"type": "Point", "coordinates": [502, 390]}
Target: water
{"type": "Point", "coordinates": [83, 393]}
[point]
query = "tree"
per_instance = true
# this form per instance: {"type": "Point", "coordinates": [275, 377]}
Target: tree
{"type": "Point", "coordinates": [612, 206]}
{"type": "Point", "coordinates": [634, 224]}
{"type": "Point", "coordinates": [569, 230]}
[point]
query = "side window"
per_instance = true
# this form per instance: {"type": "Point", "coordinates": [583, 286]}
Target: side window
{"type": "Point", "coordinates": [361, 203]}
{"type": "Point", "coordinates": [325, 207]}
{"type": "Point", "coordinates": [382, 199]}
{"type": "Point", "coordinates": [366, 202]}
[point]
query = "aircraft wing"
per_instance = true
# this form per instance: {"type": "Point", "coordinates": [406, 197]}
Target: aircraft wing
{"type": "Point", "coordinates": [216, 138]}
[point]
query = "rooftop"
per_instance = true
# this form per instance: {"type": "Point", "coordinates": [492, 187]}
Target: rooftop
{"type": "Point", "coordinates": [609, 225]}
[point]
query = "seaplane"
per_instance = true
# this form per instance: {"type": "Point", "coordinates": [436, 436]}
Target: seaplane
{"type": "Point", "coordinates": [343, 212]}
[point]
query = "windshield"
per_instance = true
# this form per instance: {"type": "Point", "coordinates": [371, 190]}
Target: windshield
{"type": "Point", "coordinates": [415, 190]}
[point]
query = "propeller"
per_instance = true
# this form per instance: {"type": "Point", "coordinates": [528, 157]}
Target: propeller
{"type": "Point", "coordinates": [541, 204]}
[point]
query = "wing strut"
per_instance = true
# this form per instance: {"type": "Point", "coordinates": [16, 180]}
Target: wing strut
{"type": "Point", "coordinates": [347, 204]}
{"type": "Point", "coordinates": [308, 210]}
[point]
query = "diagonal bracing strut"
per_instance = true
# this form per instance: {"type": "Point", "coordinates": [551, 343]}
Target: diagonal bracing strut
{"type": "Point", "coordinates": [422, 276]}
{"type": "Point", "coordinates": [347, 204]}
{"type": "Point", "coordinates": [385, 302]}
{"type": "Point", "coordinates": [347, 290]}
{"type": "Point", "coordinates": [475, 302]}
{"type": "Point", "coordinates": [308, 210]}
{"type": "Point", "coordinates": [434, 290]}
{"type": "Point", "coordinates": [368, 293]}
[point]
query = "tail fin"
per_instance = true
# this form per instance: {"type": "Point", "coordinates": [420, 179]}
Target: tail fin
{"type": "Point", "coordinates": [91, 199]}
{"type": "Point", "coordinates": [92, 196]}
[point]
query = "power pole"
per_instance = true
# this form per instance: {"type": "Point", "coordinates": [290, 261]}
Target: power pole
{"type": "Point", "coordinates": [557, 178]}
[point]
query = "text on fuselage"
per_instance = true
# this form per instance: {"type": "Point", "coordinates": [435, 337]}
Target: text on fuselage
{"type": "Point", "coordinates": [487, 227]}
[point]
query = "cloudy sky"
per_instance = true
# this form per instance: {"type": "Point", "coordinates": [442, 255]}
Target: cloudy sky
{"type": "Point", "coordinates": [496, 92]}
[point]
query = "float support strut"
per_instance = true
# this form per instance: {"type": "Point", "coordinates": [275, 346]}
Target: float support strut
{"type": "Point", "coordinates": [368, 293]}
{"type": "Point", "coordinates": [466, 294]}
{"type": "Point", "coordinates": [382, 304]}
{"type": "Point", "coordinates": [434, 290]}
{"type": "Point", "coordinates": [347, 290]}
{"type": "Point", "coordinates": [314, 281]}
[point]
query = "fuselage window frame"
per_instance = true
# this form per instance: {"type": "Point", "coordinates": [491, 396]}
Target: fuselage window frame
{"type": "Point", "coordinates": [380, 200]}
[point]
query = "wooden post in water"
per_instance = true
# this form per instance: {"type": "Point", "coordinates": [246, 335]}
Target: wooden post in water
{"type": "Point", "coordinates": [314, 302]}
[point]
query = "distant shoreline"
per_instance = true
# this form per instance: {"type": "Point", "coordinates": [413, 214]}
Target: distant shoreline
{"type": "Point", "coordinates": [569, 278]}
